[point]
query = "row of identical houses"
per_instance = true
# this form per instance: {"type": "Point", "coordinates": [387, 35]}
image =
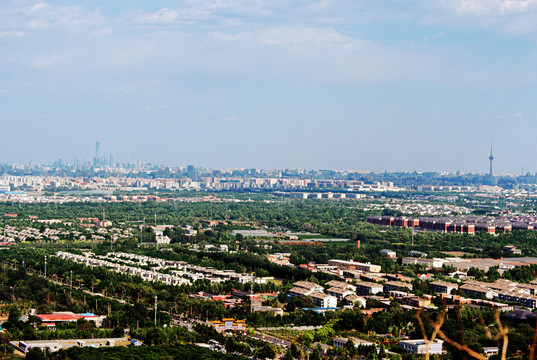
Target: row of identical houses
{"type": "Point", "coordinates": [180, 272]}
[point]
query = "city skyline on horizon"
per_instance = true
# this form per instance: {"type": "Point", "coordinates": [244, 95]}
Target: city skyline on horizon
{"type": "Point", "coordinates": [104, 161]}
{"type": "Point", "coordinates": [371, 86]}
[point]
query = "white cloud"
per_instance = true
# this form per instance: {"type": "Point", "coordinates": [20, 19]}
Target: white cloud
{"type": "Point", "coordinates": [434, 37]}
{"type": "Point", "coordinates": [45, 60]}
{"type": "Point", "coordinates": [233, 118]}
{"type": "Point", "coordinates": [150, 107]}
{"type": "Point", "coordinates": [11, 34]}
{"type": "Point", "coordinates": [37, 7]}
{"type": "Point", "coordinates": [23, 15]}
{"type": "Point", "coordinates": [517, 115]}
{"type": "Point", "coordinates": [220, 42]}
{"type": "Point", "coordinates": [512, 16]}
{"type": "Point", "coordinates": [302, 36]}
{"type": "Point", "coordinates": [103, 31]}
{"type": "Point", "coordinates": [163, 16]}
{"type": "Point", "coordinates": [492, 7]}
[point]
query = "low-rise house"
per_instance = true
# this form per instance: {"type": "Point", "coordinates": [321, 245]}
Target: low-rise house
{"type": "Point", "coordinates": [511, 249]}
{"type": "Point", "coordinates": [420, 346]}
{"type": "Point", "coordinates": [352, 265]}
{"type": "Point", "coordinates": [491, 350]}
{"type": "Point", "coordinates": [389, 253]}
{"type": "Point", "coordinates": [275, 311]}
{"type": "Point", "coordinates": [339, 342]}
{"type": "Point", "coordinates": [431, 263]}
{"type": "Point", "coordinates": [51, 320]}
{"type": "Point", "coordinates": [54, 345]}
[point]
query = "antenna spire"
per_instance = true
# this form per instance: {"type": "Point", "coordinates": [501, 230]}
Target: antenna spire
{"type": "Point", "coordinates": [491, 157]}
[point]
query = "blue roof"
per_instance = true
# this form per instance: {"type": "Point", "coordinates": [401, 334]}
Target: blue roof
{"type": "Point", "coordinates": [88, 314]}
{"type": "Point", "coordinates": [321, 309]}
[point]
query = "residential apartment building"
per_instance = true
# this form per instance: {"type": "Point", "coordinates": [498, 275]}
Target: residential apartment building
{"type": "Point", "coordinates": [368, 288]}
{"type": "Point", "coordinates": [324, 300]}
{"type": "Point", "coordinates": [443, 287]}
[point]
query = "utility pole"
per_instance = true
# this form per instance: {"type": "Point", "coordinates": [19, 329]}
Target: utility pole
{"type": "Point", "coordinates": [155, 310]}
{"type": "Point", "coordinates": [71, 291]}
{"type": "Point", "coordinates": [251, 298]}
{"type": "Point", "coordinates": [45, 265]}
{"type": "Point", "coordinates": [141, 232]}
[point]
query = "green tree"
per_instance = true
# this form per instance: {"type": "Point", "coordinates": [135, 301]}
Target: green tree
{"type": "Point", "coordinates": [349, 346]}
{"type": "Point", "coordinates": [266, 352]}
{"type": "Point", "coordinates": [315, 355]}
{"type": "Point", "coordinates": [288, 356]}
{"type": "Point", "coordinates": [382, 352]}
{"type": "Point", "coordinates": [118, 332]}
{"type": "Point", "coordinates": [14, 315]}
{"type": "Point", "coordinates": [35, 354]}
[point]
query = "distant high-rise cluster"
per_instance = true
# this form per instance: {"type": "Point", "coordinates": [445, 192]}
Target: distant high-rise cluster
{"type": "Point", "coordinates": [99, 160]}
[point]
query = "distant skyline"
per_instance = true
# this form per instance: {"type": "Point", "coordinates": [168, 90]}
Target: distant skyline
{"type": "Point", "coordinates": [369, 85]}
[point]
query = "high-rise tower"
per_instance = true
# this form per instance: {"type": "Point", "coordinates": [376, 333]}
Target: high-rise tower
{"type": "Point", "coordinates": [491, 157]}
{"type": "Point", "coordinates": [96, 160]}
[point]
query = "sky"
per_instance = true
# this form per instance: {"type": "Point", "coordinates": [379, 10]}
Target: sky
{"type": "Point", "coordinates": [370, 85]}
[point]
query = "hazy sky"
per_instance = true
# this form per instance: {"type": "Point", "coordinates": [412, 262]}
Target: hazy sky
{"type": "Point", "coordinates": [364, 85]}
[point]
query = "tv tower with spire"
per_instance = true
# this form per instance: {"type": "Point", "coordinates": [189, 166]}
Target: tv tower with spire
{"type": "Point", "coordinates": [491, 157]}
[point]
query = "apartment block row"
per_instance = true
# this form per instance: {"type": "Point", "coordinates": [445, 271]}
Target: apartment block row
{"type": "Point", "coordinates": [456, 224]}
{"type": "Point", "coordinates": [503, 290]}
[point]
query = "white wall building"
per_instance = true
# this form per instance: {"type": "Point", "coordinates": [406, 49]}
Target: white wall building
{"type": "Point", "coordinates": [421, 347]}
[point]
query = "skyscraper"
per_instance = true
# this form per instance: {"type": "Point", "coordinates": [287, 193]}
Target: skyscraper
{"type": "Point", "coordinates": [96, 159]}
{"type": "Point", "coordinates": [191, 172]}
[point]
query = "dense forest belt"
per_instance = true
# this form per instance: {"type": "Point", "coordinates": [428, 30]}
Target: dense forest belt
{"type": "Point", "coordinates": [333, 218]}
{"type": "Point", "coordinates": [344, 219]}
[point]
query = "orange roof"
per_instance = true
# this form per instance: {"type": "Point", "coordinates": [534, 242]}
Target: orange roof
{"type": "Point", "coordinates": [57, 317]}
